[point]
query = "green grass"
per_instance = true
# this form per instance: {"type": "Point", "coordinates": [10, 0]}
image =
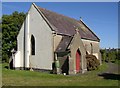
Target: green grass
{"type": "Point", "coordinates": [29, 78]}
{"type": "Point", "coordinates": [117, 62]}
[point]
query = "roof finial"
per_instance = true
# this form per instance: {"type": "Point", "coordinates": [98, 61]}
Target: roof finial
{"type": "Point", "coordinates": [81, 18]}
{"type": "Point", "coordinates": [77, 30]}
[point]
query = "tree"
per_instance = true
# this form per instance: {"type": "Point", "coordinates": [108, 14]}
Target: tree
{"type": "Point", "coordinates": [104, 55]}
{"type": "Point", "coordinates": [113, 56]}
{"type": "Point", "coordinates": [118, 55]}
{"type": "Point", "coordinates": [11, 25]}
{"type": "Point", "coordinates": [0, 40]}
{"type": "Point", "coordinates": [0, 47]}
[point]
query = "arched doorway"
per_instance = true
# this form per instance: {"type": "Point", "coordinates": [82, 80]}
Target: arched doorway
{"type": "Point", "coordinates": [65, 65]}
{"type": "Point", "coordinates": [78, 60]}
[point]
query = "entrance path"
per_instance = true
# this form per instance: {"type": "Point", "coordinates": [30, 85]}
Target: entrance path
{"type": "Point", "coordinates": [113, 72]}
{"type": "Point", "coordinates": [113, 68]}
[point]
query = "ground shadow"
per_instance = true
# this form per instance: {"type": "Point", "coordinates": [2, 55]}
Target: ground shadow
{"type": "Point", "coordinates": [110, 76]}
{"type": "Point", "coordinates": [65, 66]}
{"type": "Point", "coordinates": [6, 67]}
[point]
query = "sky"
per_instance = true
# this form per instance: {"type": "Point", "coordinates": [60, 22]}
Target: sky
{"type": "Point", "coordinates": [100, 17]}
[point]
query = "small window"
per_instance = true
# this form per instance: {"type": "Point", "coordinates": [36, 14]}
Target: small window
{"type": "Point", "coordinates": [32, 45]}
{"type": "Point", "coordinates": [91, 48]}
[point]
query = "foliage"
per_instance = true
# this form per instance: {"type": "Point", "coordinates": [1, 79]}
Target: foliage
{"type": "Point", "coordinates": [92, 62]}
{"type": "Point", "coordinates": [0, 47]}
{"type": "Point", "coordinates": [110, 55]}
{"type": "Point", "coordinates": [118, 55]}
{"type": "Point", "coordinates": [11, 25]}
{"type": "Point", "coordinates": [104, 55]}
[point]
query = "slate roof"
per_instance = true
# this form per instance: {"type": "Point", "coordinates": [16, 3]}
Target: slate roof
{"type": "Point", "coordinates": [65, 41]}
{"type": "Point", "coordinates": [66, 25]}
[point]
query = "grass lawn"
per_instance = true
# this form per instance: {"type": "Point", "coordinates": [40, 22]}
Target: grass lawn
{"type": "Point", "coordinates": [29, 78]}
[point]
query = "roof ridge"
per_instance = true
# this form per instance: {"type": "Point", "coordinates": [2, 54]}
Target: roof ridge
{"type": "Point", "coordinates": [66, 25]}
{"type": "Point", "coordinates": [57, 13]}
{"type": "Point", "coordinates": [90, 29]}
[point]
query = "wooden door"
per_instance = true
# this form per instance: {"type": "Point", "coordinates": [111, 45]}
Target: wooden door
{"type": "Point", "coordinates": [78, 61]}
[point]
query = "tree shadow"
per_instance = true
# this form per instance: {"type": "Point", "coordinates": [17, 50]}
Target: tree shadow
{"type": "Point", "coordinates": [110, 76]}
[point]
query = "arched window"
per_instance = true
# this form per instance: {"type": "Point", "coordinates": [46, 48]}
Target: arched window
{"type": "Point", "coordinates": [91, 48]}
{"type": "Point", "coordinates": [32, 45]}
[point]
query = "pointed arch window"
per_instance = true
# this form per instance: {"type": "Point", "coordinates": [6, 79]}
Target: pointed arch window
{"type": "Point", "coordinates": [32, 45]}
{"type": "Point", "coordinates": [91, 48]}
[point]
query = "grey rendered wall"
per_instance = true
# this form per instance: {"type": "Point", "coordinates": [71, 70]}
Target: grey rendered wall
{"type": "Point", "coordinates": [57, 39]}
{"type": "Point", "coordinates": [20, 45]}
{"type": "Point", "coordinates": [75, 45]}
{"type": "Point", "coordinates": [43, 57]}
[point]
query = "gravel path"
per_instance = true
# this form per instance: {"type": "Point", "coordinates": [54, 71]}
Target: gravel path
{"type": "Point", "coordinates": [113, 68]}
{"type": "Point", "coordinates": [113, 72]}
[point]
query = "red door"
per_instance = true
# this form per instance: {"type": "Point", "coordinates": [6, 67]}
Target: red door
{"type": "Point", "coordinates": [77, 61]}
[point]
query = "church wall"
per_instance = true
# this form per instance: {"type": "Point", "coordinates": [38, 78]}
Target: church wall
{"type": "Point", "coordinates": [43, 57]}
{"type": "Point", "coordinates": [95, 46]}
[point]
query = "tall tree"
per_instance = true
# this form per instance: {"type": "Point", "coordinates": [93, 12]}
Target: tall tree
{"type": "Point", "coordinates": [11, 25]}
{"type": "Point", "coordinates": [104, 55]}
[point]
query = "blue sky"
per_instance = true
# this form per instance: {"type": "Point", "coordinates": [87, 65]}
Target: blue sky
{"type": "Point", "coordinates": [101, 17]}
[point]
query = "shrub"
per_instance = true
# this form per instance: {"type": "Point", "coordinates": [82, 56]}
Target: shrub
{"type": "Point", "coordinates": [92, 62]}
{"type": "Point", "coordinates": [5, 58]}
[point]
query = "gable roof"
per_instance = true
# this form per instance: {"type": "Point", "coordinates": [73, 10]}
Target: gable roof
{"type": "Point", "coordinates": [67, 26]}
{"type": "Point", "coordinates": [64, 43]}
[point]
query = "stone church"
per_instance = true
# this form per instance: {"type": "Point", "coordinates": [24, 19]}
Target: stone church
{"type": "Point", "coordinates": [51, 41]}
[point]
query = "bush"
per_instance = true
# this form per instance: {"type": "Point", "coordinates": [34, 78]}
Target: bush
{"type": "Point", "coordinates": [92, 62]}
{"type": "Point", "coordinates": [5, 58]}
{"type": "Point", "coordinates": [104, 55]}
